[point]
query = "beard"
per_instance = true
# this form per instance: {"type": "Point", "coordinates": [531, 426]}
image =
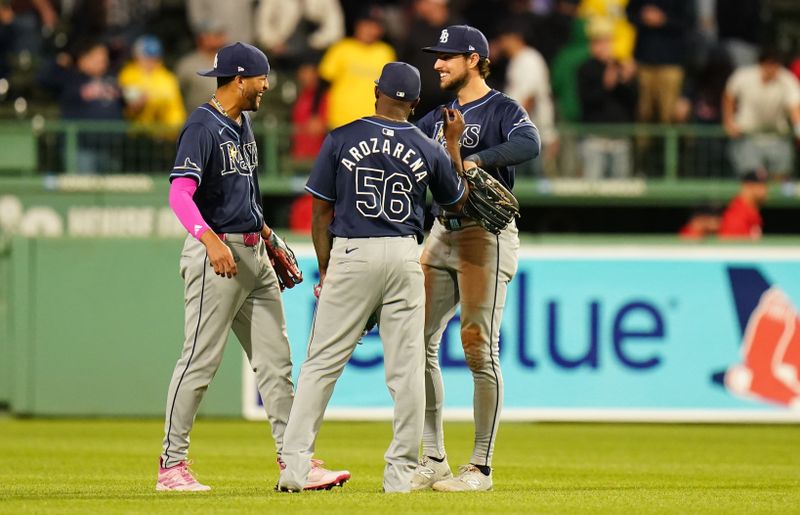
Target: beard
{"type": "Point", "coordinates": [456, 83]}
{"type": "Point", "coordinates": [252, 101]}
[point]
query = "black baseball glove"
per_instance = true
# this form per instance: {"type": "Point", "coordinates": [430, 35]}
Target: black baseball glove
{"type": "Point", "coordinates": [489, 203]}
{"type": "Point", "coordinates": [283, 261]}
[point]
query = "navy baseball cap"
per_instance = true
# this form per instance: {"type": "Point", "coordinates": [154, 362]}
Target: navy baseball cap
{"type": "Point", "coordinates": [460, 39]}
{"type": "Point", "coordinates": [238, 59]}
{"type": "Point", "coordinates": [399, 81]}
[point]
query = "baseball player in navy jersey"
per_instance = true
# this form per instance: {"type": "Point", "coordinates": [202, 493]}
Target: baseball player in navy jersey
{"type": "Point", "coordinates": [369, 185]}
{"type": "Point", "coordinates": [214, 192]}
{"type": "Point", "coordinates": [467, 265]}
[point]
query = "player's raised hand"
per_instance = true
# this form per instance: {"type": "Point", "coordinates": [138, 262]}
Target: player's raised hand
{"type": "Point", "coordinates": [453, 123]}
{"type": "Point", "coordinates": [219, 255]}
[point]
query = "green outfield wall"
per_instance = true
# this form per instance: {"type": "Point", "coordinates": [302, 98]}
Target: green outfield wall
{"type": "Point", "coordinates": [95, 328]}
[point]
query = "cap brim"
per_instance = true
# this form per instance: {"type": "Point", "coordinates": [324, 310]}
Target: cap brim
{"type": "Point", "coordinates": [440, 50]}
{"type": "Point", "coordinates": [210, 73]}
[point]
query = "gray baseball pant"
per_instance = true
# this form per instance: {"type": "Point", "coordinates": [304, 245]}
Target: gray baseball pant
{"type": "Point", "coordinates": [364, 275]}
{"type": "Point", "coordinates": [471, 267]}
{"type": "Point", "coordinates": [249, 303]}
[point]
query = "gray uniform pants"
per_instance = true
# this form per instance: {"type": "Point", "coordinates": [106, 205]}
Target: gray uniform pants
{"type": "Point", "coordinates": [364, 275]}
{"type": "Point", "coordinates": [472, 267]}
{"type": "Point", "coordinates": [250, 303]}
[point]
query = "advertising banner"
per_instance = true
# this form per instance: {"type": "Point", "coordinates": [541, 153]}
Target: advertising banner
{"type": "Point", "coordinates": [652, 333]}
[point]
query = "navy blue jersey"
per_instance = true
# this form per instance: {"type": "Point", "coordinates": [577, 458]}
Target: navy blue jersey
{"type": "Point", "coordinates": [490, 121]}
{"type": "Point", "coordinates": [222, 157]}
{"type": "Point", "coordinates": [376, 172]}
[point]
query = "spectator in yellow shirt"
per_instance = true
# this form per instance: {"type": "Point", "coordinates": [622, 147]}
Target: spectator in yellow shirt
{"type": "Point", "coordinates": [623, 34]}
{"type": "Point", "coordinates": [351, 66]}
{"type": "Point", "coordinates": [151, 92]}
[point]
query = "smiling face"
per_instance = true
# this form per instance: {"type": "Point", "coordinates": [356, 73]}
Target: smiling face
{"type": "Point", "coordinates": [453, 71]}
{"type": "Point", "coordinates": [253, 89]}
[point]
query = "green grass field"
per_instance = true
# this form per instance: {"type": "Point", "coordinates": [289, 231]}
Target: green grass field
{"type": "Point", "coordinates": [109, 466]}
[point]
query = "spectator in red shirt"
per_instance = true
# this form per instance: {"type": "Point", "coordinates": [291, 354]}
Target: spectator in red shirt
{"type": "Point", "coordinates": [309, 115]}
{"type": "Point", "coordinates": [742, 217]}
{"type": "Point", "coordinates": [704, 222]}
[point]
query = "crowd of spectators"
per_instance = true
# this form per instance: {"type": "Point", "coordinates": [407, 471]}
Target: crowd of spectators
{"type": "Point", "coordinates": [711, 62]}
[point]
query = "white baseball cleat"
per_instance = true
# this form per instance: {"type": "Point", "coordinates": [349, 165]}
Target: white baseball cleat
{"type": "Point", "coordinates": [469, 479]}
{"type": "Point", "coordinates": [178, 478]}
{"type": "Point", "coordinates": [428, 472]}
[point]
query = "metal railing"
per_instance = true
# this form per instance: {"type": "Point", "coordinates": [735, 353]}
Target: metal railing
{"type": "Point", "coordinates": [665, 152]}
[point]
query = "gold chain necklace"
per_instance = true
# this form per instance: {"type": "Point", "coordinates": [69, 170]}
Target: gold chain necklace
{"type": "Point", "coordinates": [218, 105]}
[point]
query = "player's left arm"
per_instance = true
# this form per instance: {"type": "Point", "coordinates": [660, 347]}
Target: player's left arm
{"type": "Point", "coordinates": [522, 145]}
{"type": "Point", "coordinates": [322, 186]}
{"type": "Point", "coordinates": [321, 218]}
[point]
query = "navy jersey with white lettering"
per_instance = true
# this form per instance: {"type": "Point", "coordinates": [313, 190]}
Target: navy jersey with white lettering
{"type": "Point", "coordinates": [376, 172]}
{"type": "Point", "coordinates": [490, 121]}
{"type": "Point", "coordinates": [222, 157]}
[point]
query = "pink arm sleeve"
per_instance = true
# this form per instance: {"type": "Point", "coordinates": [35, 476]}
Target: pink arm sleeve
{"type": "Point", "coordinates": [180, 200]}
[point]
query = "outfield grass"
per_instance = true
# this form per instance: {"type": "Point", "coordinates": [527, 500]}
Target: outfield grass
{"type": "Point", "coordinates": [109, 466]}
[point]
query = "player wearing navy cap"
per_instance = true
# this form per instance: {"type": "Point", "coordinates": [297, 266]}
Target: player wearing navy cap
{"type": "Point", "coordinates": [369, 185]}
{"type": "Point", "coordinates": [466, 264]}
{"type": "Point", "coordinates": [214, 193]}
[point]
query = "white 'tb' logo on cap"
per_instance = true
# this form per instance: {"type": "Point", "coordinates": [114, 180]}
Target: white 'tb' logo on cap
{"type": "Point", "coordinates": [444, 37]}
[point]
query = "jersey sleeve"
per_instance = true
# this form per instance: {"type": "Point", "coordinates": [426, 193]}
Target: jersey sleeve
{"type": "Point", "coordinates": [514, 117]}
{"type": "Point", "coordinates": [322, 180]}
{"type": "Point", "coordinates": [446, 185]}
{"type": "Point", "coordinates": [194, 152]}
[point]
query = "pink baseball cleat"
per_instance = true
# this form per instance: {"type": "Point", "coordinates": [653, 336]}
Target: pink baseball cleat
{"type": "Point", "coordinates": [178, 478]}
{"type": "Point", "coordinates": [319, 478]}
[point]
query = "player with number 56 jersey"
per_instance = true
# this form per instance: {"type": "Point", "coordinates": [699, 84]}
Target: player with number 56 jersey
{"type": "Point", "coordinates": [369, 186]}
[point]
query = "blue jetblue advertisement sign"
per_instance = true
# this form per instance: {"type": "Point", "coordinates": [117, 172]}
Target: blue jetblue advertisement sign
{"type": "Point", "coordinates": [605, 333]}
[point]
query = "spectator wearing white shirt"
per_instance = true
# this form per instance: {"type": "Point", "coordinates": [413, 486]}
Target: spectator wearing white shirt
{"type": "Point", "coordinates": [528, 82]}
{"type": "Point", "coordinates": [757, 102]}
{"type": "Point", "coordinates": [297, 30]}
{"type": "Point", "coordinates": [197, 89]}
{"type": "Point", "coordinates": [234, 16]}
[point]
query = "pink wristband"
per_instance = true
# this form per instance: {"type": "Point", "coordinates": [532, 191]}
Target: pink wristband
{"type": "Point", "coordinates": [181, 192]}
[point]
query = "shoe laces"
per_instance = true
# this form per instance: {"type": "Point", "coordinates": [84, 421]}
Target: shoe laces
{"type": "Point", "coordinates": [186, 473]}
{"type": "Point", "coordinates": [469, 467]}
{"type": "Point", "coordinates": [317, 464]}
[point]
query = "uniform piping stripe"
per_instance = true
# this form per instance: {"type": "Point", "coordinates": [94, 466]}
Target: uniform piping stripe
{"type": "Point", "coordinates": [475, 106]}
{"type": "Point", "coordinates": [491, 356]}
{"type": "Point", "coordinates": [394, 127]}
{"type": "Point", "coordinates": [191, 355]}
{"type": "Point", "coordinates": [313, 327]}
{"type": "Point", "coordinates": [527, 124]}
{"type": "Point", "coordinates": [320, 195]}
{"type": "Point", "coordinates": [461, 194]}
{"type": "Point", "coordinates": [184, 174]}
{"type": "Point", "coordinates": [222, 122]}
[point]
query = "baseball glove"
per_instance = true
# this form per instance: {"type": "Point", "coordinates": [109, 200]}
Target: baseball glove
{"type": "Point", "coordinates": [283, 261]}
{"type": "Point", "coordinates": [372, 321]}
{"type": "Point", "coordinates": [489, 203]}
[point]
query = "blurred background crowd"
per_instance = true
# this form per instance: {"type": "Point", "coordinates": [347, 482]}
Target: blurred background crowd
{"type": "Point", "coordinates": [620, 89]}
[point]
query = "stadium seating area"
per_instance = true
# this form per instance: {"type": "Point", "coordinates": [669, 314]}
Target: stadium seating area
{"type": "Point", "coordinates": [677, 156]}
